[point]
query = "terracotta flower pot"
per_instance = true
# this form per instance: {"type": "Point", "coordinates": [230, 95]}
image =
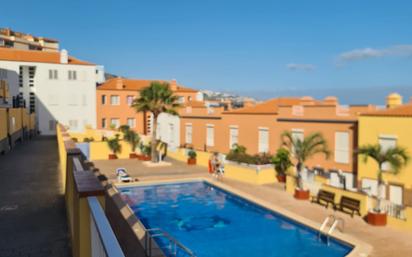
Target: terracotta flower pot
{"type": "Point", "coordinates": [377, 219]}
{"type": "Point", "coordinates": [112, 157]}
{"type": "Point", "coordinates": [132, 155]}
{"type": "Point", "coordinates": [302, 194]}
{"type": "Point", "coordinates": [191, 161]}
{"type": "Point", "coordinates": [145, 158]}
{"type": "Point", "coordinates": [281, 178]}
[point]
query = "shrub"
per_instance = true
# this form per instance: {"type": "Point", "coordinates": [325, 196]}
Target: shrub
{"type": "Point", "coordinates": [146, 149]}
{"type": "Point", "coordinates": [282, 161]}
{"type": "Point", "coordinates": [132, 138]}
{"type": "Point", "coordinates": [114, 144]}
{"type": "Point", "coordinates": [238, 154]}
{"type": "Point", "coordinates": [192, 154]}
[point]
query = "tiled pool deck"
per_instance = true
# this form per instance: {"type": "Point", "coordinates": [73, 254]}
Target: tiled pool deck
{"type": "Point", "coordinates": [385, 241]}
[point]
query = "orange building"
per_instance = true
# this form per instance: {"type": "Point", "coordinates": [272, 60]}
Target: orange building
{"type": "Point", "coordinates": [339, 126]}
{"type": "Point", "coordinates": [259, 129]}
{"type": "Point", "coordinates": [115, 97]}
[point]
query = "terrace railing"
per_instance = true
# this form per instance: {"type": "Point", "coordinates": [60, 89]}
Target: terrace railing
{"type": "Point", "coordinates": [103, 241]}
{"type": "Point", "coordinates": [173, 246]}
{"type": "Point", "coordinates": [394, 210]}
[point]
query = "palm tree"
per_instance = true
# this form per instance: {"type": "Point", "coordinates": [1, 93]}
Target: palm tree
{"type": "Point", "coordinates": [132, 138]}
{"type": "Point", "coordinates": [302, 150]}
{"type": "Point", "coordinates": [395, 157]}
{"type": "Point", "coordinates": [157, 98]}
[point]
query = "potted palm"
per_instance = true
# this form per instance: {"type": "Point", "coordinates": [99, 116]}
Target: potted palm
{"type": "Point", "coordinates": [115, 147]}
{"type": "Point", "coordinates": [156, 99]}
{"type": "Point", "coordinates": [191, 160]}
{"type": "Point", "coordinates": [394, 158]}
{"type": "Point", "coordinates": [145, 152]}
{"type": "Point", "coordinates": [282, 163]}
{"type": "Point", "coordinates": [301, 150]}
{"type": "Point", "coordinates": [133, 139]}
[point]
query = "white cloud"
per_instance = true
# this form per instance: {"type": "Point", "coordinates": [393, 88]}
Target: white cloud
{"type": "Point", "coordinates": [300, 66]}
{"type": "Point", "coordinates": [367, 53]}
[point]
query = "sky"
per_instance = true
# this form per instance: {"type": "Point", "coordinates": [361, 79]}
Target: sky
{"type": "Point", "coordinates": [357, 50]}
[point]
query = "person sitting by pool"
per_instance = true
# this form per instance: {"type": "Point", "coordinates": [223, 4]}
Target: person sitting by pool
{"type": "Point", "coordinates": [217, 165]}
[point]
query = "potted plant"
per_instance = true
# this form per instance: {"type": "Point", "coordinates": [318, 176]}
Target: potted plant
{"type": "Point", "coordinates": [114, 146]}
{"type": "Point", "coordinates": [394, 158]}
{"type": "Point", "coordinates": [124, 129]}
{"type": "Point", "coordinates": [156, 99]}
{"type": "Point", "coordinates": [146, 151]}
{"type": "Point", "coordinates": [192, 157]}
{"type": "Point", "coordinates": [133, 139]}
{"type": "Point", "coordinates": [282, 163]}
{"type": "Point", "coordinates": [301, 150]}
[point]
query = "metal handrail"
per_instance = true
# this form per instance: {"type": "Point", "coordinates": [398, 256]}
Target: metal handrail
{"type": "Point", "coordinates": [173, 242]}
{"type": "Point", "coordinates": [335, 223]}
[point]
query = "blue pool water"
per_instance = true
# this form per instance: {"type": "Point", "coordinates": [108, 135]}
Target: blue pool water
{"type": "Point", "coordinates": [213, 222]}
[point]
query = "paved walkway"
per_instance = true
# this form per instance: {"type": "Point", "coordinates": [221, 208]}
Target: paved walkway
{"type": "Point", "coordinates": [386, 242]}
{"type": "Point", "coordinates": [32, 212]}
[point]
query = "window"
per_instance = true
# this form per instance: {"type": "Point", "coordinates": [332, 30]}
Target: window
{"type": "Point", "coordinates": [103, 123]}
{"type": "Point", "coordinates": [72, 75]}
{"type": "Point", "coordinates": [115, 122]}
{"type": "Point", "coordinates": [233, 138]}
{"type": "Point", "coordinates": [103, 99]}
{"type": "Point", "coordinates": [181, 99]}
{"type": "Point", "coordinates": [386, 142]}
{"type": "Point", "coordinates": [131, 122]}
{"type": "Point", "coordinates": [188, 134]}
{"type": "Point", "coordinates": [297, 134]}
{"type": "Point", "coordinates": [342, 147]}
{"type": "Point", "coordinates": [210, 135]}
{"type": "Point", "coordinates": [73, 124]}
{"type": "Point", "coordinates": [370, 186]}
{"type": "Point", "coordinates": [129, 100]}
{"type": "Point", "coordinates": [3, 74]}
{"type": "Point", "coordinates": [114, 100]}
{"type": "Point", "coordinates": [53, 74]}
{"type": "Point", "coordinates": [396, 194]}
{"type": "Point", "coordinates": [263, 140]}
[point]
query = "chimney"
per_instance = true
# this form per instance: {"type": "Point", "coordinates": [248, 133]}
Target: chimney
{"type": "Point", "coordinates": [307, 100]}
{"type": "Point", "coordinates": [331, 100]}
{"type": "Point", "coordinates": [393, 100]}
{"type": "Point", "coordinates": [119, 83]}
{"type": "Point", "coordinates": [173, 85]}
{"type": "Point", "coordinates": [64, 56]}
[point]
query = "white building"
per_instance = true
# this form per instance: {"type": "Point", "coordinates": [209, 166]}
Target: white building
{"type": "Point", "coordinates": [54, 85]}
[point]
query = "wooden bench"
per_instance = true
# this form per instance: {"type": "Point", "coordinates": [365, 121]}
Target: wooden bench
{"type": "Point", "coordinates": [349, 205]}
{"type": "Point", "coordinates": [324, 198]}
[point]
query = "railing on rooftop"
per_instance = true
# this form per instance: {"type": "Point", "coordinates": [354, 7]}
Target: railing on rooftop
{"type": "Point", "coordinates": [103, 241]}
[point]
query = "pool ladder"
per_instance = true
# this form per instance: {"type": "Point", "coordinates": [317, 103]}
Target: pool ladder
{"type": "Point", "coordinates": [174, 245]}
{"type": "Point", "coordinates": [333, 223]}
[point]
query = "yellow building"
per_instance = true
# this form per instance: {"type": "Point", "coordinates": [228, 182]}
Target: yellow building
{"type": "Point", "coordinates": [389, 127]}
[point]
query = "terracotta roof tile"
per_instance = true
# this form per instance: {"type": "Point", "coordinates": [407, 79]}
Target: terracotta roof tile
{"type": "Point", "coordinates": [400, 111]}
{"type": "Point", "coordinates": [135, 85]}
{"type": "Point", "coordinates": [12, 54]}
{"type": "Point", "coordinates": [267, 107]}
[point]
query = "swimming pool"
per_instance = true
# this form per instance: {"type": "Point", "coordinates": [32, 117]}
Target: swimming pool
{"type": "Point", "coordinates": [213, 222]}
